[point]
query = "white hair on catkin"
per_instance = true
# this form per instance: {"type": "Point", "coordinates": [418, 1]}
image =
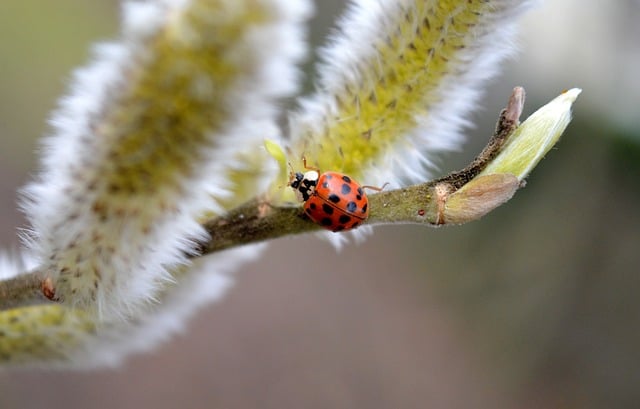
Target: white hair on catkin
{"type": "Point", "coordinates": [353, 70]}
{"type": "Point", "coordinates": [114, 251]}
{"type": "Point", "coordinates": [207, 280]}
{"type": "Point", "coordinates": [14, 263]}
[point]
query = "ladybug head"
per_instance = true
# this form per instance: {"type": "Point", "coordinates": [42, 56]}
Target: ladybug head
{"type": "Point", "coordinates": [304, 184]}
{"type": "Point", "coordinates": [295, 179]}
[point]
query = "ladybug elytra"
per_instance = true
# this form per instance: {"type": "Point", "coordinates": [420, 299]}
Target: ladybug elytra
{"type": "Point", "coordinates": [331, 199]}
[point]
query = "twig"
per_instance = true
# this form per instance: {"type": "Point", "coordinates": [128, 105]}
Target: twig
{"type": "Point", "coordinates": [21, 290]}
{"type": "Point", "coordinates": [257, 220]}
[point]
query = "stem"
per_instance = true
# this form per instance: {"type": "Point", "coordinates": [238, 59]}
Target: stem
{"type": "Point", "coordinates": [22, 290]}
{"type": "Point", "coordinates": [257, 220]}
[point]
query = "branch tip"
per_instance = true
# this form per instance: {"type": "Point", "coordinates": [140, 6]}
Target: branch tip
{"type": "Point", "coordinates": [515, 105]}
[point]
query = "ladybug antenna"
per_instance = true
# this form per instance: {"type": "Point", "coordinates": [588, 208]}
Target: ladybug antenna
{"type": "Point", "coordinates": [376, 188]}
{"type": "Point", "coordinates": [292, 174]}
{"type": "Point", "coordinates": [294, 178]}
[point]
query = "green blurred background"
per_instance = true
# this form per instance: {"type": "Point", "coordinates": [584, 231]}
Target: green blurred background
{"type": "Point", "coordinates": [534, 306]}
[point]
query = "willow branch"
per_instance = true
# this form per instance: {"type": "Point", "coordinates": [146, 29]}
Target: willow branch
{"type": "Point", "coordinates": [24, 289]}
{"type": "Point", "coordinates": [427, 203]}
{"type": "Point", "coordinates": [424, 203]}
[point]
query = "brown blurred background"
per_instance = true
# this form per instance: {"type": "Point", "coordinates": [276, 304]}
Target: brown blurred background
{"type": "Point", "coordinates": [534, 306]}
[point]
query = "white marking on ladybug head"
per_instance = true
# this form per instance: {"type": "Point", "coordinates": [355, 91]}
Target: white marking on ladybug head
{"type": "Point", "coordinates": [305, 185]}
{"type": "Point", "coordinates": [312, 175]}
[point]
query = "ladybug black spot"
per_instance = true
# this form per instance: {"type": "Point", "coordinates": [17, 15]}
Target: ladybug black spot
{"type": "Point", "coordinates": [346, 178]}
{"type": "Point", "coordinates": [364, 208]}
{"type": "Point", "coordinates": [360, 191]}
{"type": "Point", "coordinates": [346, 189]}
{"type": "Point", "coordinates": [344, 219]}
{"type": "Point", "coordinates": [358, 197]}
{"type": "Point", "coordinates": [328, 176]}
{"type": "Point", "coordinates": [334, 198]}
{"type": "Point", "coordinates": [351, 207]}
{"type": "Point", "coordinates": [325, 185]}
{"type": "Point", "coordinates": [327, 208]}
{"type": "Point", "coordinates": [326, 221]}
{"type": "Point", "coordinates": [312, 206]}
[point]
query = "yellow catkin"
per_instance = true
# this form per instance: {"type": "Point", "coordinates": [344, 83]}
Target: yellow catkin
{"type": "Point", "coordinates": [162, 124]}
{"type": "Point", "coordinates": [423, 45]}
{"type": "Point", "coordinates": [245, 181]}
{"type": "Point", "coordinates": [39, 334]}
{"type": "Point", "coordinates": [153, 136]}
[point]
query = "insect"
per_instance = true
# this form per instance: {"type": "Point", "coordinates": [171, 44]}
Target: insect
{"type": "Point", "coordinates": [331, 199]}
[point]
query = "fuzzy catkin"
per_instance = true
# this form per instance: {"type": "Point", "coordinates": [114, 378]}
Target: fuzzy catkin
{"type": "Point", "coordinates": [149, 139]}
{"type": "Point", "coordinates": [396, 82]}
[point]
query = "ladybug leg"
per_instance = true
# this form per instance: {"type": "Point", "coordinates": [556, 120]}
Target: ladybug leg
{"type": "Point", "coordinates": [376, 188]}
{"type": "Point", "coordinates": [304, 162]}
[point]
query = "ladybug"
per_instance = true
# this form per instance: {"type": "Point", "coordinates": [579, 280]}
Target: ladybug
{"type": "Point", "coordinates": [331, 199]}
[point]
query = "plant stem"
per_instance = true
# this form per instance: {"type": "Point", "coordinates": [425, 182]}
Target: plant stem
{"type": "Point", "coordinates": [257, 220]}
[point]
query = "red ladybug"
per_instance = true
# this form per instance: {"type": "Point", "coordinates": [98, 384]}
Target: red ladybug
{"type": "Point", "coordinates": [331, 199]}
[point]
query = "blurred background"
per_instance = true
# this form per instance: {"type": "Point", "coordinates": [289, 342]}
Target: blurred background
{"type": "Point", "coordinates": [535, 306]}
